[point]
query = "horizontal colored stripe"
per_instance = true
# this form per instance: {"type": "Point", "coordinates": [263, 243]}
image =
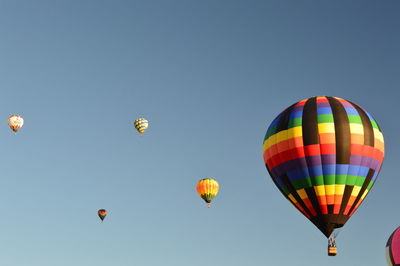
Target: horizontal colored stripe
{"type": "Point", "coordinates": [323, 104]}
{"type": "Point", "coordinates": [364, 150]}
{"type": "Point", "coordinates": [354, 119]}
{"type": "Point", "coordinates": [351, 111]}
{"type": "Point", "coordinates": [327, 138]}
{"type": "Point", "coordinates": [326, 128]}
{"type": "Point", "coordinates": [296, 114]}
{"type": "Point", "coordinates": [323, 165]}
{"type": "Point", "coordinates": [283, 135]}
{"type": "Point", "coordinates": [357, 139]}
{"type": "Point", "coordinates": [378, 135]}
{"type": "Point", "coordinates": [302, 102]}
{"type": "Point", "coordinates": [286, 157]}
{"type": "Point", "coordinates": [320, 181]}
{"type": "Point", "coordinates": [322, 170]}
{"type": "Point", "coordinates": [365, 161]}
{"type": "Point", "coordinates": [329, 190]}
{"type": "Point", "coordinates": [309, 152]}
{"type": "Point", "coordinates": [356, 129]}
{"type": "Point", "coordinates": [284, 145]}
{"type": "Point", "coordinates": [379, 145]}
{"type": "Point", "coordinates": [374, 124]}
{"type": "Point", "coordinates": [324, 110]}
{"type": "Point", "coordinates": [325, 118]}
{"type": "Point", "coordinates": [296, 122]}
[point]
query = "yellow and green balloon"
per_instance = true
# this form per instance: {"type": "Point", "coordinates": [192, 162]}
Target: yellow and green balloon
{"type": "Point", "coordinates": [207, 189]}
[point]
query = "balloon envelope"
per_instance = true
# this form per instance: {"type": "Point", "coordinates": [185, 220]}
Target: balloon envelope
{"type": "Point", "coordinates": [141, 125]}
{"type": "Point", "coordinates": [207, 189]}
{"type": "Point", "coordinates": [102, 214]}
{"type": "Point", "coordinates": [15, 122]}
{"type": "Point", "coordinates": [324, 154]}
{"type": "Point", "coordinates": [393, 248]}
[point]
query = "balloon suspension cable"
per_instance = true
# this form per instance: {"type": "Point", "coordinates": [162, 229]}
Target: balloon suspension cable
{"type": "Point", "coordinates": [332, 238]}
{"type": "Point", "coordinates": [336, 232]}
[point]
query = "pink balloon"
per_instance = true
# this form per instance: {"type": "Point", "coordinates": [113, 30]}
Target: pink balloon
{"type": "Point", "coordinates": [393, 248]}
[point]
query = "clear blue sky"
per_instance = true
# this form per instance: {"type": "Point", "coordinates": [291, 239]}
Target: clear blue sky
{"type": "Point", "coordinates": [209, 76]}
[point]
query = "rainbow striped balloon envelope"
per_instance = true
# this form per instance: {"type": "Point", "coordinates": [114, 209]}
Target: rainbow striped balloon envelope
{"type": "Point", "coordinates": [324, 154]}
{"type": "Point", "coordinates": [102, 213]}
{"type": "Point", "coordinates": [393, 248]}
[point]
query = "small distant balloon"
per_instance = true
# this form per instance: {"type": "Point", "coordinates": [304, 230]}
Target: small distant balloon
{"type": "Point", "coordinates": [141, 125]}
{"type": "Point", "coordinates": [207, 189]}
{"type": "Point", "coordinates": [102, 214]}
{"type": "Point", "coordinates": [15, 122]}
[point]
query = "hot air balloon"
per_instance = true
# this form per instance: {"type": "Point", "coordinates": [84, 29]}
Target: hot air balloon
{"type": "Point", "coordinates": [207, 189]}
{"type": "Point", "coordinates": [141, 125]}
{"type": "Point", "coordinates": [393, 248]}
{"type": "Point", "coordinates": [324, 154]}
{"type": "Point", "coordinates": [15, 122]}
{"type": "Point", "coordinates": [102, 214]}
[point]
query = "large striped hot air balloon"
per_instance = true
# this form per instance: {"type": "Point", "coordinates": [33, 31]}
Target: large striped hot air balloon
{"type": "Point", "coordinates": [141, 125]}
{"type": "Point", "coordinates": [324, 154]}
{"type": "Point", "coordinates": [102, 214]}
{"type": "Point", "coordinates": [393, 248]}
{"type": "Point", "coordinates": [207, 189]}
